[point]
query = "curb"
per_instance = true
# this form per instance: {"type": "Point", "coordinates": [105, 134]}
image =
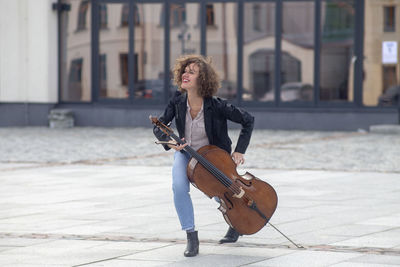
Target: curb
{"type": "Point", "coordinates": [385, 129]}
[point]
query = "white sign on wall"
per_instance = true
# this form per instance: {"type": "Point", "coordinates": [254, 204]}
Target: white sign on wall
{"type": "Point", "coordinates": [389, 52]}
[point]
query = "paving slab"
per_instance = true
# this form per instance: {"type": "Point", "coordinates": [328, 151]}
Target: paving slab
{"type": "Point", "coordinates": [307, 258]}
{"type": "Point", "coordinates": [358, 264]}
{"type": "Point", "coordinates": [314, 224]}
{"type": "Point", "coordinates": [377, 259]}
{"type": "Point", "coordinates": [385, 239]}
{"type": "Point", "coordinates": [106, 200]}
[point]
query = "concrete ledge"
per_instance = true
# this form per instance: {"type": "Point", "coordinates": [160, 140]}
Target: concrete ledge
{"type": "Point", "coordinates": [332, 119]}
{"type": "Point", "coordinates": [385, 129]}
{"type": "Point", "coordinates": [24, 114]}
{"type": "Point", "coordinates": [104, 115]}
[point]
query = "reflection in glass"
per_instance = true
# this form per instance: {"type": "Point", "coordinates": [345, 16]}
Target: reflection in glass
{"type": "Point", "coordinates": [222, 46]}
{"type": "Point", "coordinates": [149, 52]}
{"type": "Point", "coordinates": [113, 41]}
{"type": "Point", "coordinates": [391, 92]}
{"type": "Point", "coordinates": [259, 51]}
{"type": "Point", "coordinates": [75, 50]}
{"type": "Point", "coordinates": [297, 59]}
{"type": "Point", "coordinates": [125, 15]}
{"type": "Point", "coordinates": [337, 34]}
{"type": "Point", "coordinates": [103, 16]}
{"type": "Point", "coordinates": [381, 80]}
{"type": "Point", "coordinates": [82, 13]}
{"type": "Point", "coordinates": [178, 15]}
{"type": "Point", "coordinates": [185, 35]}
{"type": "Point", "coordinates": [210, 15]}
{"type": "Point", "coordinates": [75, 79]}
{"type": "Point", "coordinates": [389, 16]}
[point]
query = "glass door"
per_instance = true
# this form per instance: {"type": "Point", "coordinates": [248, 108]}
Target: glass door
{"type": "Point", "coordinates": [221, 36]}
{"type": "Point", "coordinates": [297, 52]}
{"type": "Point", "coordinates": [337, 51]}
{"type": "Point", "coordinates": [129, 53]}
{"type": "Point", "coordinates": [113, 48]}
{"type": "Point", "coordinates": [259, 51]}
{"type": "Point", "coordinates": [148, 54]}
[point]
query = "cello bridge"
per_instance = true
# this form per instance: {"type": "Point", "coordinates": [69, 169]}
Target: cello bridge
{"type": "Point", "coordinates": [240, 194]}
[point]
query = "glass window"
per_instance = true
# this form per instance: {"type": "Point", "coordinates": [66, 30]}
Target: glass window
{"type": "Point", "coordinates": [136, 15]}
{"type": "Point", "coordinates": [297, 58]}
{"type": "Point", "coordinates": [381, 76]}
{"type": "Point", "coordinates": [186, 38]}
{"type": "Point", "coordinates": [103, 75]}
{"type": "Point", "coordinates": [337, 45]}
{"type": "Point", "coordinates": [125, 15]}
{"type": "Point", "coordinates": [75, 47]}
{"type": "Point", "coordinates": [210, 15]}
{"type": "Point", "coordinates": [222, 47]}
{"type": "Point", "coordinates": [149, 53]}
{"type": "Point", "coordinates": [75, 80]}
{"type": "Point", "coordinates": [259, 52]}
{"type": "Point", "coordinates": [256, 17]}
{"type": "Point", "coordinates": [113, 43]}
{"type": "Point", "coordinates": [103, 16]}
{"type": "Point", "coordinates": [177, 15]}
{"type": "Point", "coordinates": [123, 59]}
{"type": "Point", "coordinates": [389, 17]}
{"type": "Point", "coordinates": [391, 87]}
{"type": "Point", "coordinates": [82, 11]}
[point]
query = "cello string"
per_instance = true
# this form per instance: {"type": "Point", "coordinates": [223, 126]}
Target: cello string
{"type": "Point", "coordinates": [217, 173]}
{"type": "Point", "coordinates": [210, 167]}
{"type": "Point", "coordinates": [221, 177]}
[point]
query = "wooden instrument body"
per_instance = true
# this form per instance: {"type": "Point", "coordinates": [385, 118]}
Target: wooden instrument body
{"type": "Point", "coordinates": [236, 208]}
{"type": "Point", "coordinates": [247, 202]}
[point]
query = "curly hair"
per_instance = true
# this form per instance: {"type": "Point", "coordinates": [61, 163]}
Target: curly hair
{"type": "Point", "coordinates": [208, 79]}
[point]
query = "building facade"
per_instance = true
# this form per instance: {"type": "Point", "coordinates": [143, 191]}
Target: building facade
{"type": "Point", "coordinates": [309, 64]}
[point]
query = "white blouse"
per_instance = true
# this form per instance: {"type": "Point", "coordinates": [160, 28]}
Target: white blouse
{"type": "Point", "coordinates": [195, 131]}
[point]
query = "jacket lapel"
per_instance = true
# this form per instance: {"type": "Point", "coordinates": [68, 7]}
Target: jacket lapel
{"type": "Point", "coordinates": [208, 118]}
{"type": "Point", "coordinates": [181, 114]}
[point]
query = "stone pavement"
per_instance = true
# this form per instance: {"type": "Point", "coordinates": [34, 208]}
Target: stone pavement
{"type": "Point", "coordinates": [102, 197]}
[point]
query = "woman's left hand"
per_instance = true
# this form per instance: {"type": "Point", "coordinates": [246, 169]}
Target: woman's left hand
{"type": "Point", "coordinates": [238, 158]}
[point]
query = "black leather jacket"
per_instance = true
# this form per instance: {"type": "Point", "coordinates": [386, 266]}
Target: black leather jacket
{"type": "Point", "coordinates": [216, 113]}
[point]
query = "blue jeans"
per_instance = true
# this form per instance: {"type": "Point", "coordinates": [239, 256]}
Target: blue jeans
{"type": "Point", "coordinates": [181, 189]}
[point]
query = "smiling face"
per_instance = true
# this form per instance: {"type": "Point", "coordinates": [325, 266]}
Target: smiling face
{"type": "Point", "coordinates": [189, 77]}
{"type": "Point", "coordinates": [196, 74]}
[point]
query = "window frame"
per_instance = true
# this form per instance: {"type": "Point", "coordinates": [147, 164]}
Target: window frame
{"type": "Point", "coordinates": [357, 100]}
{"type": "Point", "coordinates": [389, 24]}
{"type": "Point", "coordinates": [82, 15]}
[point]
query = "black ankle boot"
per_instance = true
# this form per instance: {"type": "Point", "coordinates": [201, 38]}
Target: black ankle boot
{"type": "Point", "coordinates": [231, 236]}
{"type": "Point", "coordinates": [192, 248]}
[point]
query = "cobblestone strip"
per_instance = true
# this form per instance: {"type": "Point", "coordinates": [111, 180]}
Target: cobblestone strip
{"type": "Point", "coordinates": [100, 161]}
{"type": "Point", "coordinates": [310, 140]}
{"type": "Point", "coordinates": [126, 238]}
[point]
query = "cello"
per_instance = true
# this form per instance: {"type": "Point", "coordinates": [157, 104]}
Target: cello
{"type": "Point", "coordinates": [246, 202]}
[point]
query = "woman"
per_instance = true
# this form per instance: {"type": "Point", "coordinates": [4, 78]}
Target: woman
{"type": "Point", "coordinates": [200, 119]}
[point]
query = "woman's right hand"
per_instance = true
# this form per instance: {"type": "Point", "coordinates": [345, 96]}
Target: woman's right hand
{"type": "Point", "coordinates": [178, 147]}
